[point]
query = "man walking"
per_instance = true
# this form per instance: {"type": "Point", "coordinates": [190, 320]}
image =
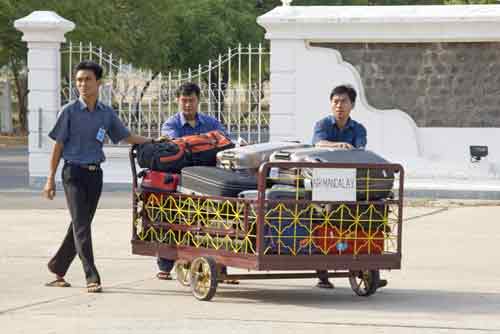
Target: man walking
{"type": "Point", "coordinates": [79, 133]}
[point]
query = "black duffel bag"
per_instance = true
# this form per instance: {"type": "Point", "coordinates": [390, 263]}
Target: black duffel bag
{"type": "Point", "coordinates": [162, 156]}
{"type": "Point", "coordinates": [173, 155]}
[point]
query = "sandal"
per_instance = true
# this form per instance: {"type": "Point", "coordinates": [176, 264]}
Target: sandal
{"type": "Point", "coordinates": [324, 285]}
{"type": "Point", "coordinates": [58, 283]}
{"type": "Point", "coordinates": [162, 275]}
{"type": "Point", "coordinates": [94, 288]}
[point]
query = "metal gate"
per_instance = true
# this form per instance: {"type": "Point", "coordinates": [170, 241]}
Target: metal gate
{"type": "Point", "coordinates": [234, 89]}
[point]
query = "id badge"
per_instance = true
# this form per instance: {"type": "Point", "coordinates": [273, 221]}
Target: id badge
{"type": "Point", "coordinates": [100, 135]}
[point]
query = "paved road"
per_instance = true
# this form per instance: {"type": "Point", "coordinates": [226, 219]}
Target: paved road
{"type": "Point", "coordinates": [16, 193]}
{"type": "Point", "coordinates": [449, 284]}
{"type": "Point", "coordinates": [13, 168]}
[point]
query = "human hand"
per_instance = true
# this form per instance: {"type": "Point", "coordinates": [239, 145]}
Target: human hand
{"type": "Point", "coordinates": [345, 146]}
{"type": "Point", "coordinates": [242, 142]}
{"type": "Point", "coordinates": [160, 139]}
{"type": "Point", "coordinates": [49, 190]}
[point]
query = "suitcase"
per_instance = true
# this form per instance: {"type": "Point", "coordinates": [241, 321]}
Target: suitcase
{"type": "Point", "coordinates": [282, 234]}
{"type": "Point", "coordinates": [247, 159]}
{"type": "Point", "coordinates": [372, 184]}
{"type": "Point", "coordinates": [213, 181]}
{"type": "Point", "coordinates": [347, 234]}
{"type": "Point", "coordinates": [155, 181]}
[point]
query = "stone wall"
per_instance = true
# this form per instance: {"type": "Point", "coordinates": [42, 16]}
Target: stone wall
{"type": "Point", "coordinates": [437, 84]}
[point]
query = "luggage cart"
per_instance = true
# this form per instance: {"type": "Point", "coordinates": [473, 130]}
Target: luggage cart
{"type": "Point", "coordinates": [349, 238]}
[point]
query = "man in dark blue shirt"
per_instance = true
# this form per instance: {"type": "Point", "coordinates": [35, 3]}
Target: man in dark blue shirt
{"type": "Point", "coordinates": [79, 134]}
{"type": "Point", "coordinates": [188, 121]}
{"type": "Point", "coordinates": [339, 130]}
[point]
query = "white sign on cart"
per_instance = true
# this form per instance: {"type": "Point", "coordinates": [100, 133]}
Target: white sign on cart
{"type": "Point", "coordinates": [334, 184]}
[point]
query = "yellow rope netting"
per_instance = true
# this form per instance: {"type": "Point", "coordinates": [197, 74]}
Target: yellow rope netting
{"type": "Point", "coordinates": [289, 228]}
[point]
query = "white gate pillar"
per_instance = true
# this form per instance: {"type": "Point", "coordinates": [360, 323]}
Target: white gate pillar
{"type": "Point", "coordinates": [44, 32]}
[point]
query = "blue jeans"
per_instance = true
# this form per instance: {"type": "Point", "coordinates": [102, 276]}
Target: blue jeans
{"type": "Point", "coordinates": [166, 265]}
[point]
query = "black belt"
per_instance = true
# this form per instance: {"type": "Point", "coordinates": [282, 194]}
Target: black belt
{"type": "Point", "coordinates": [89, 167]}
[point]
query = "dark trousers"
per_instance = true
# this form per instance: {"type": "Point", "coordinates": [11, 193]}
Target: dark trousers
{"type": "Point", "coordinates": [83, 189]}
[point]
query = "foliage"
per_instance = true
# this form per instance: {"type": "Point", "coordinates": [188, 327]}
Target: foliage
{"type": "Point", "coordinates": [160, 35]}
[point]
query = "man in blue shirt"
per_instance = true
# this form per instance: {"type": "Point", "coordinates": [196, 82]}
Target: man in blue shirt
{"type": "Point", "coordinates": [79, 134]}
{"type": "Point", "coordinates": [339, 130]}
{"type": "Point", "coordinates": [188, 121]}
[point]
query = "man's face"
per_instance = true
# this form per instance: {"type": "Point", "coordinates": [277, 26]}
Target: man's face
{"type": "Point", "coordinates": [188, 105]}
{"type": "Point", "coordinates": [87, 84]}
{"type": "Point", "coordinates": [341, 107]}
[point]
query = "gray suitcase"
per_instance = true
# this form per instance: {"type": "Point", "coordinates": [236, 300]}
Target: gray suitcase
{"type": "Point", "coordinates": [300, 154]}
{"type": "Point", "coordinates": [372, 184]}
{"type": "Point", "coordinates": [248, 158]}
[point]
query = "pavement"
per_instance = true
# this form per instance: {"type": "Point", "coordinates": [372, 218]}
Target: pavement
{"type": "Point", "coordinates": [448, 284]}
{"type": "Point", "coordinates": [449, 281]}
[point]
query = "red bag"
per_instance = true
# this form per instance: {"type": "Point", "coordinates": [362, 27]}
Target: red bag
{"type": "Point", "coordinates": [154, 181]}
{"type": "Point", "coordinates": [332, 240]}
{"type": "Point", "coordinates": [201, 150]}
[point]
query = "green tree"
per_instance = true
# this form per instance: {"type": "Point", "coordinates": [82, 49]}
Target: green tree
{"type": "Point", "coordinates": [161, 35]}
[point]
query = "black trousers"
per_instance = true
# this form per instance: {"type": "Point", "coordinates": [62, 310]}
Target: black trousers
{"type": "Point", "coordinates": [83, 190]}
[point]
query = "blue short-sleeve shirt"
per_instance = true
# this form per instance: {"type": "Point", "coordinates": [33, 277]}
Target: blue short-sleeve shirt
{"type": "Point", "coordinates": [77, 128]}
{"type": "Point", "coordinates": [177, 126]}
{"type": "Point", "coordinates": [353, 133]}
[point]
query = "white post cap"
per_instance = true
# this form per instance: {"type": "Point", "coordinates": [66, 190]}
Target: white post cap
{"type": "Point", "coordinates": [43, 26]}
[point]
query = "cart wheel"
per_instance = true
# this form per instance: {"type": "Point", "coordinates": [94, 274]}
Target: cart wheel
{"type": "Point", "coordinates": [364, 283]}
{"type": "Point", "coordinates": [182, 272]}
{"type": "Point", "coordinates": [203, 274]}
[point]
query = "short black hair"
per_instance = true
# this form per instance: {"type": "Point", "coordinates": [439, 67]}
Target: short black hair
{"type": "Point", "coordinates": [188, 88]}
{"type": "Point", "coordinates": [344, 89]}
{"type": "Point", "coordinates": [90, 66]}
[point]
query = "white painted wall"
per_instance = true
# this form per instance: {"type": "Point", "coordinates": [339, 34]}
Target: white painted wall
{"type": "Point", "coordinates": [302, 78]}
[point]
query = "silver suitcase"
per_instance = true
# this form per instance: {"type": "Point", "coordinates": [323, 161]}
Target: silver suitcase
{"type": "Point", "coordinates": [248, 158]}
{"type": "Point", "coordinates": [372, 183]}
{"type": "Point", "coordinates": [300, 154]}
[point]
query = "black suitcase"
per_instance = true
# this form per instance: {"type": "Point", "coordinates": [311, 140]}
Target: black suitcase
{"type": "Point", "coordinates": [372, 183]}
{"type": "Point", "coordinates": [213, 181]}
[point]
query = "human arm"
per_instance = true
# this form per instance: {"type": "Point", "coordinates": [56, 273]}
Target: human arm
{"type": "Point", "coordinates": [49, 190]}
{"type": "Point", "coordinates": [170, 129]}
{"type": "Point", "coordinates": [333, 144]}
{"type": "Point", "coordinates": [135, 139]}
{"type": "Point", "coordinates": [360, 137]}
{"type": "Point", "coordinates": [321, 137]}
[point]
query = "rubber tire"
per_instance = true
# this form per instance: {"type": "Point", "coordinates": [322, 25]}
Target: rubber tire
{"type": "Point", "coordinates": [182, 272]}
{"type": "Point", "coordinates": [364, 282]}
{"type": "Point", "coordinates": [203, 271]}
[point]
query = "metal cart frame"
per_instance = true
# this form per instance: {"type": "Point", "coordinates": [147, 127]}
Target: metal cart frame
{"type": "Point", "coordinates": [199, 266]}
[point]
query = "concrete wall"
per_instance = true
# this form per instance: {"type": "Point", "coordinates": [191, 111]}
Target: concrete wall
{"type": "Point", "coordinates": [437, 84]}
{"type": "Point", "coordinates": [428, 80]}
